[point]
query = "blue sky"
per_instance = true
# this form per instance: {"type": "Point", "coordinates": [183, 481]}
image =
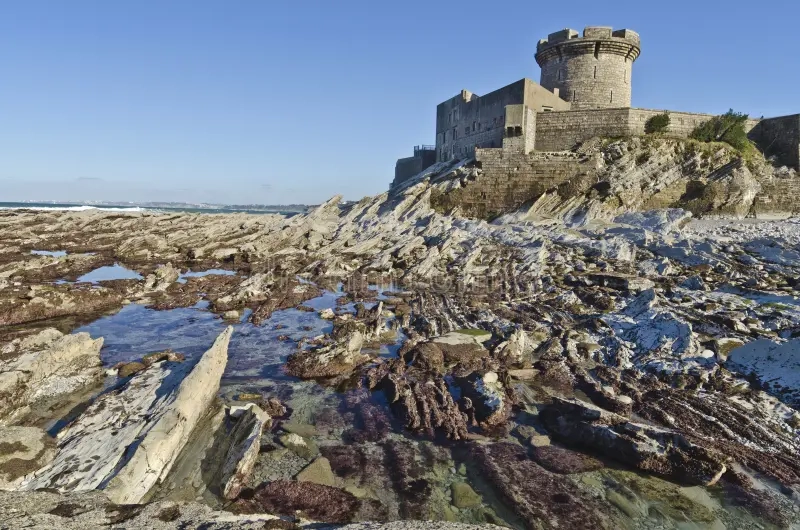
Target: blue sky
{"type": "Point", "coordinates": [258, 101]}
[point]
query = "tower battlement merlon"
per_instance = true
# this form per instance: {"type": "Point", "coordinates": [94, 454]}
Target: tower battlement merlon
{"type": "Point", "coordinates": [592, 71]}
{"type": "Point", "coordinates": [589, 33]}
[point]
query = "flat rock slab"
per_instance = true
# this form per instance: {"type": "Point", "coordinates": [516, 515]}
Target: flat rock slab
{"type": "Point", "coordinates": [23, 450]}
{"type": "Point", "coordinates": [128, 439]}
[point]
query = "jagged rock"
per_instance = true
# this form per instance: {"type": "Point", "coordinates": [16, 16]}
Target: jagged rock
{"type": "Point", "coordinates": [421, 399]}
{"type": "Point", "coordinates": [245, 443]}
{"type": "Point", "coordinates": [647, 448]}
{"type": "Point", "coordinates": [514, 348]}
{"type": "Point", "coordinates": [488, 396]}
{"type": "Point", "coordinates": [23, 450]}
{"type": "Point", "coordinates": [46, 370]}
{"type": "Point", "coordinates": [128, 439]}
{"type": "Point", "coordinates": [426, 356]}
{"type": "Point", "coordinates": [273, 407]}
{"type": "Point", "coordinates": [334, 359]}
{"type": "Point", "coordinates": [163, 277]}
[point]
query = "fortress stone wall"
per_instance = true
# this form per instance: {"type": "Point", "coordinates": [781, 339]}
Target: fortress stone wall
{"type": "Point", "coordinates": [468, 121]}
{"type": "Point", "coordinates": [564, 130]}
{"type": "Point", "coordinates": [509, 179]}
{"type": "Point", "coordinates": [585, 92]}
{"type": "Point", "coordinates": [779, 138]}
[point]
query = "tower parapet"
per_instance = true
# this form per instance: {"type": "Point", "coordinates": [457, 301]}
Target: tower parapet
{"type": "Point", "coordinates": [593, 71]}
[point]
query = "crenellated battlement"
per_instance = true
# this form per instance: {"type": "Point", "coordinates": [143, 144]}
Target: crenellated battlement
{"type": "Point", "coordinates": [624, 42]}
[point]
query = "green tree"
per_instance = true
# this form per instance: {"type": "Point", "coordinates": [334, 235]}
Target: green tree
{"type": "Point", "coordinates": [657, 124]}
{"type": "Point", "coordinates": [728, 128]}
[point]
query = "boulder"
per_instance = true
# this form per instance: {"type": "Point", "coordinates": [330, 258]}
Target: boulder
{"type": "Point", "coordinates": [128, 439]}
{"type": "Point", "coordinates": [47, 369]}
{"type": "Point", "coordinates": [163, 277]}
{"type": "Point", "coordinates": [339, 357]}
{"type": "Point", "coordinates": [245, 443]}
{"type": "Point", "coordinates": [488, 396]}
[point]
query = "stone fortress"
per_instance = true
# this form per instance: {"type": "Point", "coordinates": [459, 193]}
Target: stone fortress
{"type": "Point", "coordinates": [584, 92]}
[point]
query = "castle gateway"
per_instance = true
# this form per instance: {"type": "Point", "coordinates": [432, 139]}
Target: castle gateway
{"type": "Point", "coordinates": [584, 91]}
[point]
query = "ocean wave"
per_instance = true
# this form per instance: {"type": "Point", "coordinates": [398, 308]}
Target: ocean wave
{"type": "Point", "coordinates": [78, 208]}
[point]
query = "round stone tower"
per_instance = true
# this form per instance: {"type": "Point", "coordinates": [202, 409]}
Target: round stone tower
{"type": "Point", "coordinates": [593, 71]}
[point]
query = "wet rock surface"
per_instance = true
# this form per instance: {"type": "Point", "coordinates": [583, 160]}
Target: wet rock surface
{"type": "Point", "coordinates": [606, 368]}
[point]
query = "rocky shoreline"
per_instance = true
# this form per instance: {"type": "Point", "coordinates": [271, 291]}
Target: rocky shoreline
{"type": "Point", "coordinates": [383, 362]}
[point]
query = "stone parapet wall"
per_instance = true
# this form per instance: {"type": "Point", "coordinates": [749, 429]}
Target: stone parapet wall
{"type": "Point", "coordinates": [557, 131]}
{"type": "Point", "coordinates": [561, 131]}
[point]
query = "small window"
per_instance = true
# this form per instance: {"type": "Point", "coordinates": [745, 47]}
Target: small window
{"type": "Point", "coordinates": [595, 72]}
{"type": "Point", "coordinates": [574, 96]}
{"type": "Point", "coordinates": [612, 96]}
{"type": "Point", "coordinates": [547, 109]}
{"type": "Point", "coordinates": [597, 50]}
{"type": "Point", "coordinates": [560, 75]}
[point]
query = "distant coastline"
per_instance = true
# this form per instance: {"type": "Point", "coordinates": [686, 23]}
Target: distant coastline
{"type": "Point", "coordinates": [287, 209]}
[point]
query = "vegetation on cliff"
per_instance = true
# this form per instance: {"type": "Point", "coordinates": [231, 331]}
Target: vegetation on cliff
{"type": "Point", "coordinates": [657, 124]}
{"type": "Point", "coordinates": [728, 128]}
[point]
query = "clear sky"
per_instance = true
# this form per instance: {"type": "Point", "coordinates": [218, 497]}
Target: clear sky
{"type": "Point", "coordinates": [267, 101]}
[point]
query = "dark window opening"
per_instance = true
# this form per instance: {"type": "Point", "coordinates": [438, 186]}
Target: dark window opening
{"type": "Point", "coordinates": [595, 72]}
{"type": "Point", "coordinates": [596, 50]}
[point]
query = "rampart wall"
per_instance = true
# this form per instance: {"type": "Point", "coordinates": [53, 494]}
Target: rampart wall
{"type": "Point", "coordinates": [559, 131]}
{"type": "Point", "coordinates": [510, 179]}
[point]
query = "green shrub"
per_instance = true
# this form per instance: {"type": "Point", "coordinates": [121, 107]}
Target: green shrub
{"type": "Point", "coordinates": [728, 128]}
{"type": "Point", "coordinates": [657, 124]}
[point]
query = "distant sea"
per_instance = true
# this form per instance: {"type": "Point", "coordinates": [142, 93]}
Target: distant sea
{"type": "Point", "coordinates": [125, 208]}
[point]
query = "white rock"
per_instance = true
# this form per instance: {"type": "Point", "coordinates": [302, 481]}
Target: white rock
{"type": "Point", "coordinates": [152, 416]}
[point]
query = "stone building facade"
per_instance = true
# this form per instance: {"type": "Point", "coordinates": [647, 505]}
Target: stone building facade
{"type": "Point", "coordinates": [584, 92]}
